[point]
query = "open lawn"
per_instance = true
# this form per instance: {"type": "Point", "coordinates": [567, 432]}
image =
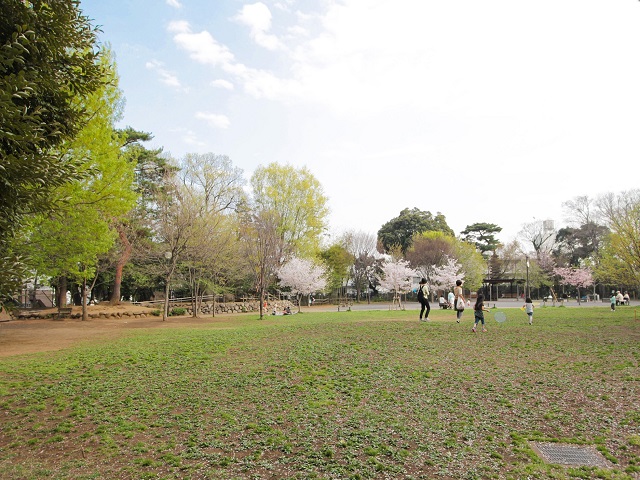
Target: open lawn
{"type": "Point", "coordinates": [361, 394]}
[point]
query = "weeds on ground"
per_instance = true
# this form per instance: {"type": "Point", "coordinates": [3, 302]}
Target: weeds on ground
{"type": "Point", "coordinates": [330, 395]}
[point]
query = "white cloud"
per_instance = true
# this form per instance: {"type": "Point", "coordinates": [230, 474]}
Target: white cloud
{"type": "Point", "coordinates": [214, 120]}
{"type": "Point", "coordinates": [190, 138]}
{"type": "Point", "coordinates": [298, 31]}
{"type": "Point", "coordinates": [205, 49]}
{"type": "Point", "coordinates": [179, 26]}
{"type": "Point", "coordinates": [224, 84]}
{"type": "Point", "coordinates": [500, 90]}
{"type": "Point", "coordinates": [166, 77]}
{"type": "Point", "coordinates": [202, 46]}
{"type": "Point", "coordinates": [258, 18]}
{"type": "Point", "coordinates": [174, 3]}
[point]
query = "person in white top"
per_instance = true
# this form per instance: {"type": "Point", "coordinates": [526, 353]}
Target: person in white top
{"type": "Point", "coordinates": [528, 308]}
{"type": "Point", "coordinates": [459, 300]}
{"type": "Point", "coordinates": [423, 298]}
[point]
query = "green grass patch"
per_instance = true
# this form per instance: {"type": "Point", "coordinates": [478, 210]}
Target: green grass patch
{"type": "Point", "coordinates": [354, 394]}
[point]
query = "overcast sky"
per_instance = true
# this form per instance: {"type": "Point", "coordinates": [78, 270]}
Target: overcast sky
{"type": "Point", "coordinates": [486, 111]}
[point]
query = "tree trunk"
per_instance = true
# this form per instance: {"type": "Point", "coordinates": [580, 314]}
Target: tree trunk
{"type": "Point", "coordinates": [261, 303]}
{"type": "Point", "coordinates": [85, 316]}
{"type": "Point", "coordinates": [165, 310]}
{"type": "Point", "coordinates": [194, 298]}
{"type": "Point", "coordinates": [61, 299]}
{"type": "Point", "coordinates": [127, 248]}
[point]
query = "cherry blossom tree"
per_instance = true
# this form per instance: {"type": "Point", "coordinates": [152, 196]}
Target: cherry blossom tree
{"type": "Point", "coordinates": [578, 277]}
{"type": "Point", "coordinates": [303, 277]}
{"type": "Point", "coordinates": [396, 277]}
{"type": "Point", "coordinates": [446, 275]}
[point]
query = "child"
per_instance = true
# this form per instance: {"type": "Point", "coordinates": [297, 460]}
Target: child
{"type": "Point", "coordinates": [478, 311]}
{"type": "Point", "coordinates": [613, 302]}
{"type": "Point", "coordinates": [528, 307]}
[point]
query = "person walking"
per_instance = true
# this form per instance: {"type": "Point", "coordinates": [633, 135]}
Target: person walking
{"type": "Point", "coordinates": [459, 300]}
{"type": "Point", "coordinates": [528, 308]}
{"type": "Point", "coordinates": [478, 313]}
{"type": "Point", "coordinates": [423, 298]}
{"type": "Point", "coordinates": [451, 299]}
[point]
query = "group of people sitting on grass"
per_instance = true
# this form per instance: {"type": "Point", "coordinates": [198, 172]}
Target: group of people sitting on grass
{"type": "Point", "coordinates": [285, 311]}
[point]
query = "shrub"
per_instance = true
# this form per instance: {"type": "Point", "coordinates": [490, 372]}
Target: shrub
{"type": "Point", "coordinates": [178, 311]}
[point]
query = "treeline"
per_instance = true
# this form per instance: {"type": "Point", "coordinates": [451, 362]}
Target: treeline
{"type": "Point", "coordinates": [89, 209]}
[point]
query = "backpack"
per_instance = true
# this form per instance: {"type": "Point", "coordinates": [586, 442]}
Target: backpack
{"type": "Point", "coordinates": [422, 291]}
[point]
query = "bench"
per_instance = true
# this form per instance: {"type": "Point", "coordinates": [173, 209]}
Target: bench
{"type": "Point", "coordinates": [444, 305]}
{"type": "Point", "coordinates": [63, 312]}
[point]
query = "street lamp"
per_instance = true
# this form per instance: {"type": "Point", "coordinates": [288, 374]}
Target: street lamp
{"type": "Point", "coordinates": [527, 294]}
{"type": "Point", "coordinates": [486, 255]}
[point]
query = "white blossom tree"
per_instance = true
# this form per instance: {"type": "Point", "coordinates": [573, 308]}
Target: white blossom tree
{"type": "Point", "coordinates": [303, 277]}
{"type": "Point", "coordinates": [396, 277]}
{"type": "Point", "coordinates": [445, 276]}
{"type": "Point", "coordinates": [578, 277]}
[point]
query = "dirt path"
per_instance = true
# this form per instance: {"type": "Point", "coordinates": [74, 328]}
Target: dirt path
{"type": "Point", "coordinates": [30, 336]}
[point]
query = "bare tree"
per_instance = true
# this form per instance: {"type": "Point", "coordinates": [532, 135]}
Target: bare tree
{"type": "Point", "coordinates": [216, 179]}
{"type": "Point", "coordinates": [581, 210]}
{"type": "Point", "coordinates": [540, 234]}
{"type": "Point", "coordinates": [362, 246]}
{"type": "Point", "coordinates": [263, 249]}
{"type": "Point", "coordinates": [613, 209]}
{"type": "Point", "coordinates": [217, 186]}
{"type": "Point", "coordinates": [179, 229]}
{"type": "Point", "coordinates": [429, 251]}
{"type": "Point", "coordinates": [214, 255]}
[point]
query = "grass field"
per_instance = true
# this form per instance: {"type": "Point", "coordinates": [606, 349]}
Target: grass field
{"type": "Point", "coordinates": [330, 395]}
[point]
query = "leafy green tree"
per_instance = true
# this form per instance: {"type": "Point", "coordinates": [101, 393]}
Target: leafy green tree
{"type": "Point", "coordinates": [69, 242]}
{"type": "Point", "coordinates": [399, 232]}
{"type": "Point", "coordinates": [482, 235]}
{"type": "Point", "coordinates": [130, 228]}
{"type": "Point", "coordinates": [473, 264]}
{"type": "Point", "coordinates": [47, 62]}
{"type": "Point", "coordinates": [620, 257]}
{"type": "Point", "coordinates": [151, 168]}
{"type": "Point", "coordinates": [297, 200]}
{"type": "Point", "coordinates": [576, 245]}
{"type": "Point", "coordinates": [616, 266]}
{"type": "Point", "coordinates": [337, 260]}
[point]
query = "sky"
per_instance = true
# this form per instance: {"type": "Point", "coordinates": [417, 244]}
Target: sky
{"type": "Point", "coordinates": [493, 111]}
